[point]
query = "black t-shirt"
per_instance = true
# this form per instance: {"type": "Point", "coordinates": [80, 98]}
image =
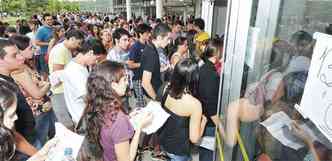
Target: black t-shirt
{"type": "Point", "coordinates": [209, 90]}
{"type": "Point", "coordinates": [135, 54]}
{"type": "Point", "coordinates": [25, 123]}
{"type": "Point", "coordinates": [150, 62]}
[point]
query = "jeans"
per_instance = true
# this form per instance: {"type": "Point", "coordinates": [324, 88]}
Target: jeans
{"type": "Point", "coordinates": [61, 111]}
{"type": "Point", "coordinates": [45, 126]}
{"type": "Point", "coordinates": [174, 157]}
{"type": "Point", "coordinates": [139, 94]}
{"type": "Point", "coordinates": [205, 154]}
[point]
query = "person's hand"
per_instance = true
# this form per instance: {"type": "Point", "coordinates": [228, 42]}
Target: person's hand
{"type": "Point", "coordinates": [145, 120]}
{"type": "Point", "coordinates": [204, 120]}
{"type": "Point", "coordinates": [44, 83]}
{"type": "Point", "coordinates": [48, 146]}
{"type": "Point", "coordinates": [299, 132]}
{"type": "Point", "coordinates": [134, 112]}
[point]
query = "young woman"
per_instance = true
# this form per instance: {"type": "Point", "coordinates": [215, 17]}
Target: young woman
{"type": "Point", "coordinates": [181, 52]}
{"type": "Point", "coordinates": [106, 37]}
{"type": "Point", "coordinates": [186, 123]}
{"type": "Point", "coordinates": [108, 126]}
{"type": "Point", "coordinates": [8, 102]}
{"type": "Point", "coordinates": [58, 36]}
{"type": "Point", "coordinates": [35, 91]}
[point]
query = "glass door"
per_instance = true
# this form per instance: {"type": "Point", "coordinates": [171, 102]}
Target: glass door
{"type": "Point", "coordinates": [268, 51]}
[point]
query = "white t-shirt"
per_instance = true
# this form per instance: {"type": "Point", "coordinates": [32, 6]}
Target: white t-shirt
{"type": "Point", "coordinates": [74, 78]}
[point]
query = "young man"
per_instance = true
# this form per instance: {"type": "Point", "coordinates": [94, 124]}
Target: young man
{"type": "Point", "coordinates": [150, 64]}
{"type": "Point", "coordinates": [75, 76]}
{"type": "Point", "coordinates": [176, 29]}
{"type": "Point", "coordinates": [11, 61]}
{"type": "Point", "coordinates": [143, 32]}
{"type": "Point", "coordinates": [119, 52]}
{"type": "Point", "coordinates": [176, 32]}
{"type": "Point", "coordinates": [201, 37]}
{"type": "Point", "coordinates": [42, 38]}
{"type": "Point", "coordinates": [59, 57]}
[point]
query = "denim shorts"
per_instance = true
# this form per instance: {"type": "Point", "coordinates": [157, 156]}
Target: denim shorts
{"type": "Point", "coordinates": [41, 64]}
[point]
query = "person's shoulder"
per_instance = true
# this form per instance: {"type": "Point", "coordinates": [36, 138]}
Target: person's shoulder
{"type": "Point", "coordinates": [136, 44]}
{"type": "Point", "coordinates": [59, 49]}
{"type": "Point", "coordinates": [147, 50]}
{"type": "Point", "coordinates": [191, 101]}
{"type": "Point", "coordinates": [206, 69]}
{"type": "Point", "coordinates": [30, 34]}
{"type": "Point", "coordinates": [41, 29]}
{"type": "Point", "coordinates": [121, 118]}
{"type": "Point", "coordinates": [113, 51]}
{"type": "Point", "coordinates": [150, 50]}
{"type": "Point", "coordinates": [71, 65]}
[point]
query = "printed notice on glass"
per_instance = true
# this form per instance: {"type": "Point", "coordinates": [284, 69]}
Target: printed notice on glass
{"type": "Point", "coordinates": [252, 46]}
{"type": "Point", "coordinates": [316, 103]}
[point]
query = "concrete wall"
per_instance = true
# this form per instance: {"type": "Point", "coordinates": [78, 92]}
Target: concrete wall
{"type": "Point", "coordinates": [291, 17]}
{"type": "Point", "coordinates": [308, 15]}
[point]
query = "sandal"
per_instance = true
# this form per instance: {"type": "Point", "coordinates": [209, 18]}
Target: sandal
{"type": "Point", "coordinates": [148, 148]}
{"type": "Point", "coordinates": [159, 156]}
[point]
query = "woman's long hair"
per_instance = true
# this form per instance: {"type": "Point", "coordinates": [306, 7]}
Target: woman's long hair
{"type": "Point", "coordinates": [7, 97]}
{"type": "Point", "coordinates": [184, 78]}
{"type": "Point", "coordinates": [103, 103]}
{"type": "Point", "coordinates": [7, 144]}
{"type": "Point", "coordinates": [7, 141]}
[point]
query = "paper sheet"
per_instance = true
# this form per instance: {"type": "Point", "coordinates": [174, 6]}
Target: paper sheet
{"type": "Point", "coordinates": [67, 139]}
{"type": "Point", "coordinates": [316, 103]}
{"type": "Point", "coordinates": [159, 117]}
{"type": "Point", "coordinates": [279, 125]}
{"type": "Point", "coordinates": [208, 142]}
{"type": "Point", "coordinates": [55, 78]}
{"type": "Point", "coordinates": [253, 35]}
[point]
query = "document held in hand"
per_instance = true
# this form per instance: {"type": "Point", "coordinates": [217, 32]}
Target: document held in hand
{"type": "Point", "coordinates": [67, 139]}
{"type": "Point", "coordinates": [160, 116]}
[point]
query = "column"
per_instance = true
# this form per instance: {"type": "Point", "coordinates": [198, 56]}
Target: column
{"type": "Point", "coordinates": [128, 7]}
{"type": "Point", "coordinates": [198, 8]}
{"type": "Point", "coordinates": [207, 14]}
{"type": "Point", "coordinates": [111, 6]}
{"type": "Point", "coordinates": [185, 14]}
{"type": "Point", "coordinates": [159, 8]}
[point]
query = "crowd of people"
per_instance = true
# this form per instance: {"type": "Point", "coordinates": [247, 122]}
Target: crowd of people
{"type": "Point", "coordinates": [92, 73]}
{"type": "Point", "coordinates": [89, 73]}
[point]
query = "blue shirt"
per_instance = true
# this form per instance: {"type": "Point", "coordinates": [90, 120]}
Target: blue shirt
{"type": "Point", "coordinates": [135, 53]}
{"type": "Point", "coordinates": [44, 34]}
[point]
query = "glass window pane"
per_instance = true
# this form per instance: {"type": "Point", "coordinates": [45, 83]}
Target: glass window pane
{"type": "Point", "coordinates": [279, 50]}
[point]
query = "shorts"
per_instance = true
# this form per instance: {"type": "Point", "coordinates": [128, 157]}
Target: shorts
{"type": "Point", "coordinates": [41, 64]}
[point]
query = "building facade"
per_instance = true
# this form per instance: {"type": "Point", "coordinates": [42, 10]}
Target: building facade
{"type": "Point", "coordinates": [138, 7]}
